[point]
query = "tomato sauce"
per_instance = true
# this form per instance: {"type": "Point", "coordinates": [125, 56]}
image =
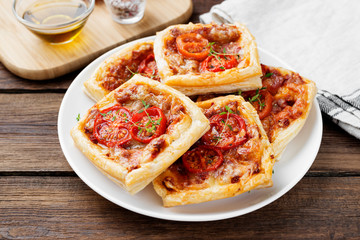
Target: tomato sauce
{"type": "Point", "coordinates": [286, 95]}
{"type": "Point", "coordinates": [288, 99]}
{"type": "Point", "coordinates": [165, 112]}
{"type": "Point", "coordinates": [238, 161]}
{"type": "Point", "coordinates": [123, 69]}
{"type": "Point", "coordinates": [210, 48]}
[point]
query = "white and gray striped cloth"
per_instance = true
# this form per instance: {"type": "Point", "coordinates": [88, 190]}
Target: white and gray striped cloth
{"type": "Point", "coordinates": [320, 40]}
{"type": "Point", "coordinates": [345, 110]}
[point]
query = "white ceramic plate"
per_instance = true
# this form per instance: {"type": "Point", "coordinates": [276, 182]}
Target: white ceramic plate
{"type": "Point", "coordinates": [294, 163]}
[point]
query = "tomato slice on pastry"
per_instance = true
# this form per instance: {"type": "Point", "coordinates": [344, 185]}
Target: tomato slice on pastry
{"type": "Point", "coordinates": [148, 124]}
{"type": "Point", "coordinates": [193, 46]}
{"type": "Point", "coordinates": [217, 63]}
{"type": "Point", "coordinates": [111, 126]}
{"type": "Point", "coordinates": [227, 130]}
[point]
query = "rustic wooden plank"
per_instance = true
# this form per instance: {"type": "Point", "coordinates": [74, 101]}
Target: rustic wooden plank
{"type": "Point", "coordinates": [29, 142]}
{"type": "Point", "coordinates": [28, 133]}
{"type": "Point", "coordinates": [339, 151]}
{"type": "Point", "coordinates": [49, 207]}
{"type": "Point", "coordinates": [11, 83]}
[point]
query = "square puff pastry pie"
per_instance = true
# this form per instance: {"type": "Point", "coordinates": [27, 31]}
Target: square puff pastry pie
{"type": "Point", "coordinates": [120, 67]}
{"type": "Point", "coordinates": [283, 104]}
{"type": "Point", "coordinates": [207, 58]}
{"type": "Point", "coordinates": [138, 130]}
{"type": "Point", "coordinates": [287, 99]}
{"type": "Point", "coordinates": [233, 157]}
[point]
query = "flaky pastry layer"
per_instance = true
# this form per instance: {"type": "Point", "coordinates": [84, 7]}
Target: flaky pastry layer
{"type": "Point", "coordinates": [167, 184]}
{"type": "Point", "coordinates": [283, 136]}
{"type": "Point", "coordinates": [182, 136]}
{"type": "Point", "coordinates": [245, 76]}
{"type": "Point", "coordinates": [93, 87]}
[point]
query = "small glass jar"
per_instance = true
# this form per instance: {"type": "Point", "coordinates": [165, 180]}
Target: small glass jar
{"type": "Point", "coordinates": [126, 11]}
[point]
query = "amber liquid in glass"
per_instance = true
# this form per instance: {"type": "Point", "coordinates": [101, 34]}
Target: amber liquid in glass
{"type": "Point", "coordinates": [55, 13]}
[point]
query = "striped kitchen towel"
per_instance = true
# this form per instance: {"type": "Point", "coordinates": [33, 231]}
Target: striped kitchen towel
{"type": "Point", "coordinates": [320, 40]}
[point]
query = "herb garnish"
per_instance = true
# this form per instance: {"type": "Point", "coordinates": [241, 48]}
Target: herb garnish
{"type": "Point", "coordinates": [257, 98]}
{"type": "Point", "coordinates": [228, 111]}
{"type": "Point", "coordinates": [269, 74]}
{"type": "Point", "coordinates": [217, 55]}
{"type": "Point", "coordinates": [133, 73]}
{"type": "Point", "coordinates": [78, 117]}
{"type": "Point", "coordinates": [150, 125]}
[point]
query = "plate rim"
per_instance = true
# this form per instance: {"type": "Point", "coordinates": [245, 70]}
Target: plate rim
{"type": "Point", "coordinates": [197, 217]}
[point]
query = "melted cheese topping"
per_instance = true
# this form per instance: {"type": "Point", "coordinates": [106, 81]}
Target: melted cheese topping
{"type": "Point", "coordinates": [240, 162]}
{"type": "Point", "coordinates": [122, 69]}
{"type": "Point", "coordinates": [290, 100]}
{"type": "Point", "coordinates": [225, 37]}
{"type": "Point", "coordinates": [132, 154]}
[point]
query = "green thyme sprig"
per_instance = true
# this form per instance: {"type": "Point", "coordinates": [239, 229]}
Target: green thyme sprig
{"type": "Point", "coordinates": [132, 73]}
{"type": "Point", "coordinates": [144, 75]}
{"type": "Point", "coordinates": [257, 98]}
{"type": "Point", "coordinates": [228, 111]}
{"type": "Point", "coordinates": [152, 122]}
{"type": "Point", "coordinates": [269, 74]}
{"type": "Point", "coordinates": [216, 54]}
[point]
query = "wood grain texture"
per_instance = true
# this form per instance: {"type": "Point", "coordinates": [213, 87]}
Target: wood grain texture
{"type": "Point", "coordinates": [339, 151]}
{"type": "Point", "coordinates": [28, 133]}
{"type": "Point", "coordinates": [9, 82]}
{"type": "Point", "coordinates": [29, 141]}
{"type": "Point", "coordinates": [19, 48]}
{"type": "Point", "coordinates": [48, 207]}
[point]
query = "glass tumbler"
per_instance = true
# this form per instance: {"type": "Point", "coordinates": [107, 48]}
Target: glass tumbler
{"type": "Point", "coordinates": [126, 11]}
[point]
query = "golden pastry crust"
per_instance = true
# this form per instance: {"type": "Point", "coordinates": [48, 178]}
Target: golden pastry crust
{"type": "Point", "coordinates": [245, 167]}
{"type": "Point", "coordinates": [245, 76]}
{"type": "Point", "coordinates": [302, 92]}
{"type": "Point", "coordinates": [181, 133]}
{"type": "Point", "coordinates": [114, 70]}
{"type": "Point", "coordinates": [292, 99]}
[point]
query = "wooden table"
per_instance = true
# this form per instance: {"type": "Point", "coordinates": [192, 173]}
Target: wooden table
{"type": "Point", "coordinates": [41, 197]}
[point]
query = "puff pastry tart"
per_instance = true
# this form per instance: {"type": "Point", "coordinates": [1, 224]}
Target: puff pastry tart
{"type": "Point", "coordinates": [283, 104]}
{"type": "Point", "coordinates": [120, 67]}
{"type": "Point", "coordinates": [233, 157]}
{"type": "Point", "coordinates": [138, 130]}
{"type": "Point", "coordinates": [204, 58]}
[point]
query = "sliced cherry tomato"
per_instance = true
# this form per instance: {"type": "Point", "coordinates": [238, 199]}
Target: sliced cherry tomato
{"type": "Point", "coordinates": [148, 67]}
{"type": "Point", "coordinates": [111, 134]}
{"type": "Point", "coordinates": [193, 46]}
{"type": "Point", "coordinates": [202, 159]}
{"type": "Point", "coordinates": [116, 113]}
{"type": "Point", "coordinates": [226, 131]}
{"type": "Point", "coordinates": [261, 100]}
{"type": "Point", "coordinates": [111, 126]}
{"type": "Point", "coordinates": [266, 110]}
{"type": "Point", "coordinates": [218, 63]}
{"type": "Point", "coordinates": [148, 124]}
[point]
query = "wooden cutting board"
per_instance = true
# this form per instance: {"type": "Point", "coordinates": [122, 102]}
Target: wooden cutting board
{"type": "Point", "coordinates": [29, 57]}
